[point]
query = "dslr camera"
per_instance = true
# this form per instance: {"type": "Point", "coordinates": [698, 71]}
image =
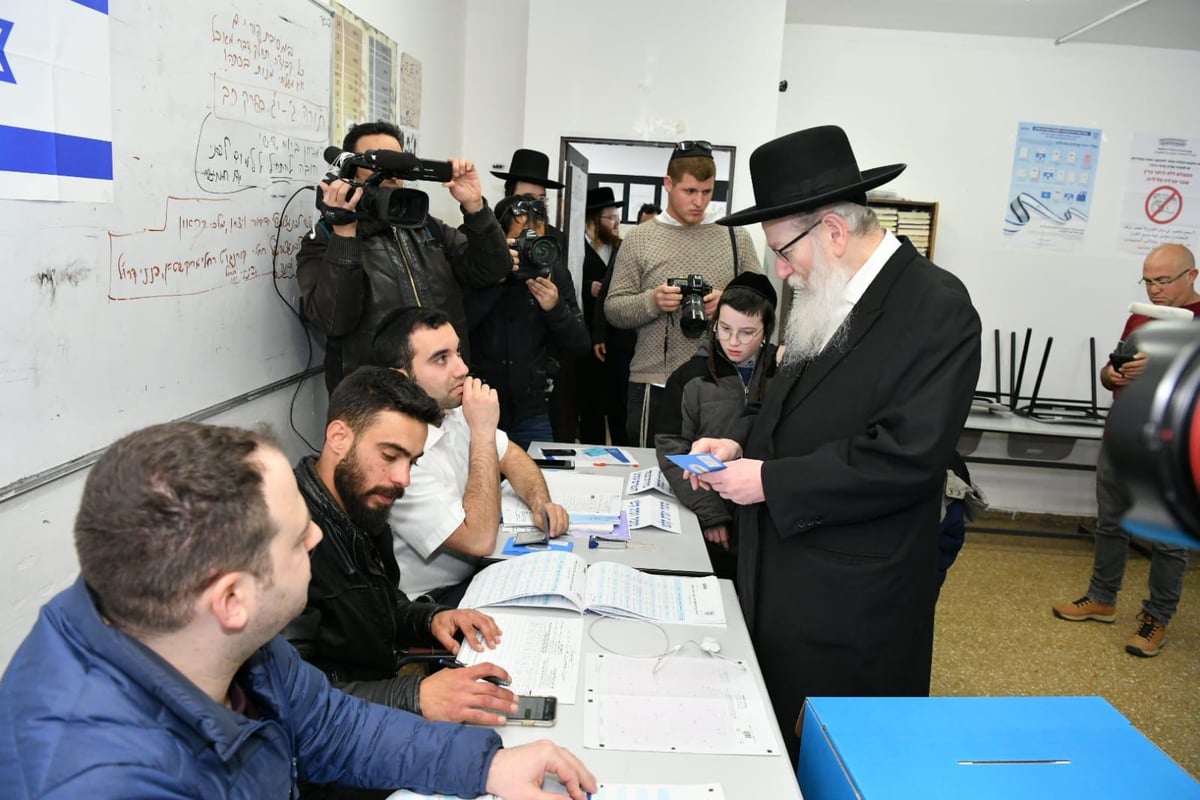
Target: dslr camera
{"type": "Point", "coordinates": [403, 207]}
{"type": "Point", "coordinates": [692, 319]}
{"type": "Point", "coordinates": [538, 254]}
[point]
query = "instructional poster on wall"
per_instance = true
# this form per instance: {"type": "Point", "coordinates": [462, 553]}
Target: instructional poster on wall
{"type": "Point", "coordinates": [1161, 203]}
{"type": "Point", "coordinates": [365, 65]}
{"type": "Point", "coordinates": [1050, 193]}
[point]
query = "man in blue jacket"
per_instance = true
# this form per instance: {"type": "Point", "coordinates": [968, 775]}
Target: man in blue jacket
{"type": "Point", "coordinates": [159, 673]}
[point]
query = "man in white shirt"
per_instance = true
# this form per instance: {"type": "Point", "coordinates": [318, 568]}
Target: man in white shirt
{"type": "Point", "coordinates": [449, 516]}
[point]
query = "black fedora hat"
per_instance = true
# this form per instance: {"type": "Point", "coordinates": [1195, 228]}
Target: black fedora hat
{"type": "Point", "coordinates": [530, 166]}
{"type": "Point", "coordinates": [603, 197]}
{"type": "Point", "coordinates": [806, 170]}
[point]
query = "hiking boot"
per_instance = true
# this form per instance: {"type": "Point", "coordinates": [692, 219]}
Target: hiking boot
{"type": "Point", "coordinates": [1085, 608]}
{"type": "Point", "coordinates": [1148, 639]}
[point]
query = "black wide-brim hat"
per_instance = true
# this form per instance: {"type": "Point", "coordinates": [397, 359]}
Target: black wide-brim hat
{"type": "Point", "coordinates": [603, 197]}
{"type": "Point", "coordinates": [531, 166]}
{"type": "Point", "coordinates": [806, 170]}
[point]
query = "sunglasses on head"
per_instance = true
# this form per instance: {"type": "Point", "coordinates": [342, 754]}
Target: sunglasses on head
{"type": "Point", "coordinates": [529, 208]}
{"type": "Point", "coordinates": [696, 145]}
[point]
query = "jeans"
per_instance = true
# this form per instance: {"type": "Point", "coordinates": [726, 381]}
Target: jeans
{"type": "Point", "coordinates": [1167, 564]}
{"type": "Point", "coordinates": [524, 431]}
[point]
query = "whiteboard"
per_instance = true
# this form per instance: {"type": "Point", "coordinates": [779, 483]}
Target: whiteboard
{"type": "Point", "coordinates": [161, 303]}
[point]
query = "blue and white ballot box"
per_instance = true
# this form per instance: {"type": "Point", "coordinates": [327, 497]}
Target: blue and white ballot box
{"type": "Point", "coordinates": [871, 748]}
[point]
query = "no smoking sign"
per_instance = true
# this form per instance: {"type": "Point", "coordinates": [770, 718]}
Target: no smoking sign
{"type": "Point", "coordinates": [1163, 205]}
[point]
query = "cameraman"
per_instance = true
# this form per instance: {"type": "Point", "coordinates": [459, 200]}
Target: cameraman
{"type": "Point", "coordinates": [680, 242]}
{"type": "Point", "coordinates": [352, 275]}
{"type": "Point", "coordinates": [513, 323]}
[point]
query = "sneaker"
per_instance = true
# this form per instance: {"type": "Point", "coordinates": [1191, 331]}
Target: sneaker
{"type": "Point", "coordinates": [1148, 639]}
{"type": "Point", "coordinates": [1085, 608]}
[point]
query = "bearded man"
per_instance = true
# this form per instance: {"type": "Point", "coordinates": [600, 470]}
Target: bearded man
{"type": "Point", "coordinates": [357, 622]}
{"type": "Point", "coordinates": [842, 468]}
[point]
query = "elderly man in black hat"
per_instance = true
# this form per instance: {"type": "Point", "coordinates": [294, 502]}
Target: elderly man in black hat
{"type": "Point", "coordinates": [840, 472]}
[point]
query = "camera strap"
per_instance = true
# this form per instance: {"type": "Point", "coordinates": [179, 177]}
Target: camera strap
{"type": "Point", "coordinates": [733, 244]}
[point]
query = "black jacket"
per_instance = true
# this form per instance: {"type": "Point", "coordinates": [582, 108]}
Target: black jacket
{"type": "Point", "coordinates": [357, 620]}
{"type": "Point", "coordinates": [594, 269]}
{"type": "Point", "coordinates": [511, 338]}
{"type": "Point", "coordinates": [347, 285]}
{"type": "Point", "coordinates": [695, 406]}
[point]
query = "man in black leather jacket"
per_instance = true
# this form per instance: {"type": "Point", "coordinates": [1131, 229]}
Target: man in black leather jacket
{"type": "Point", "coordinates": [357, 623]}
{"type": "Point", "coordinates": [518, 324]}
{"type": "Point", "coordinates": [352, 275]}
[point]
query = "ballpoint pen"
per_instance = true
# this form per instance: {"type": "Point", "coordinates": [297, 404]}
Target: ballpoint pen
{"type": "Point", "coordinates": [450, 663]}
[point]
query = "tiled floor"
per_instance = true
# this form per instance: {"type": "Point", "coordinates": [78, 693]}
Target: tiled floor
{"type": "Point", "coordinates": [995, 635]}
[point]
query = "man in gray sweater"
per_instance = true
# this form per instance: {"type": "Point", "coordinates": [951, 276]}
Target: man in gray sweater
{"type": "Point", "coordinates": [679, 243]}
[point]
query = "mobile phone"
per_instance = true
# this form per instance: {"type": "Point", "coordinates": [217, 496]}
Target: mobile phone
{"type": "Point", "coordinates": [534, 710]}
{"type": "Point", "coordinates": [554, 463]}
{"type": "Point", "coordinates": [531, 538]}
{"type": "Point", "coordinates": [558, 451]}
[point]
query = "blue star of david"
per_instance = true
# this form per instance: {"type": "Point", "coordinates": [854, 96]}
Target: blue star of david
{"type": "Point", "coordinates": [6, 75]}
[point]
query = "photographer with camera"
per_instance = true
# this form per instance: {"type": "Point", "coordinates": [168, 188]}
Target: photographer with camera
{"type": "Point", "coordinates": [1168, 274]}
{"type": "Point", "coordinates": [677, 262]}
{"type": "Point", "coordinates": [513, 323]}
{"type": "Point", "coordinates": [374, 249]}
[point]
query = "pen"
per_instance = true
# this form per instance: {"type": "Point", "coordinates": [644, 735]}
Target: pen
{"type": "Point", "coordinates": [454, 664]}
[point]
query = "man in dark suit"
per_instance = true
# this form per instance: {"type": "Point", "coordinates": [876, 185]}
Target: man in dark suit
{"type": "Point", "coordinates": [842, 468]}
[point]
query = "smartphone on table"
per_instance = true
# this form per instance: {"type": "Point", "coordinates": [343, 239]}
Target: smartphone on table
{"type": "Point", "coordinates": [536, 711]}
{"type": "Point", "coordinates": [553, 463]}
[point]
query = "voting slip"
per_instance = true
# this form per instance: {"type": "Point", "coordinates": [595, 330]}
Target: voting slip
{"type": "Point", "coordinates": [605, 457]}
{"type": "Point", "coordinates": [564, 580]}
{"type": "Point", "coordinates": [677, 704]}
{"type": "Point", "coordinates": [541, 654]}
{"type": "Point", "coordinates": [697, 463]}
{"type": "Point", "coordinates": [643, 480]}
{"type": "Point", "coordinates": [652, 512]}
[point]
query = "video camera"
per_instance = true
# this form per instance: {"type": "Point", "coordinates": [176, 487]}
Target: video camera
{"type": "Point", "coordinates": [1154, 432]}
{"type": "Point", "coordinates": [692, 319]}
{"type": "Point", "coordinates": [403, 207]}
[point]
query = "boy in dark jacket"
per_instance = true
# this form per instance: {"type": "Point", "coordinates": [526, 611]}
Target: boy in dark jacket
{"type": "Point", "coordinates": [705, 395]}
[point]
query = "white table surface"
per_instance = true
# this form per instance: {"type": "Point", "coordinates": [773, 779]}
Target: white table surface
{"type": "Point", "coordinates": [766, 776]}
{"type": "Point", "coordinates": [649, 549]}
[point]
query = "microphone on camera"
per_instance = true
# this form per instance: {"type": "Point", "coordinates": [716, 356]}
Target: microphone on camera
{"type": "Point", "coordinates": [403, 165]}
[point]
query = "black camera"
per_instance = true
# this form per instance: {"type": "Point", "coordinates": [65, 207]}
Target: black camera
{"type": "Point", "coordinates": [1124, 353]}
{"type": "Point", "coordinates": [1153, 431]}
{"type": "Point", "coordinates": [538, 255]}
{"type": "Point", "coordinates": [692, 319]}
{"type": "Point", "coordinates": [404, 207]}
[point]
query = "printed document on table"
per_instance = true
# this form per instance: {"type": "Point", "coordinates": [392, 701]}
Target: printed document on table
{"type": "Point", "coordinates": [541, 654]}
{"type": "Point", "coordinates": [643, 480]}
{"type": "Point", "coordinates": [608, 791]}
{"type": "Point", "coordinates": [691, 704]}
{"type": "Point", "coordinates": [557, 579]}
{"type": "Point", "coordinates": [652, 512]}
{"type": "Point", "coordinates": [594, 497]}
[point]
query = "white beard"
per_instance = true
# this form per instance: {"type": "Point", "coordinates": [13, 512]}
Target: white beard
{"type": "Point", "coordinates": [815, 313]}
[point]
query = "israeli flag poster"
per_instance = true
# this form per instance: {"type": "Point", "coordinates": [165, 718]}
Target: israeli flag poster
{"type": "Point", "coordinates": [55, 101]}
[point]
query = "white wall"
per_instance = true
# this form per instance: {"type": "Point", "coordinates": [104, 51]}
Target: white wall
{"type": "Point", "coordinates": [664, 71]}
{"type": "Point", "coordinates": [948, 105]}
{"type": "Point", "coordinates": [38, 547]}
{"type": "Point", "coordinates": [433, 32]}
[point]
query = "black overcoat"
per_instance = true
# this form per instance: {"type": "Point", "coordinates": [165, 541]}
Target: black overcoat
{"type": "Point", "coordinates": [837, 572]}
